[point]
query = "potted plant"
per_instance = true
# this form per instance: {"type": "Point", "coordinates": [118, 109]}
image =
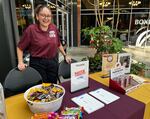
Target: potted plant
{"type": "Point", "coordinates": [101, 38]}
{"type": "Point", "coordinates": [138, 68]}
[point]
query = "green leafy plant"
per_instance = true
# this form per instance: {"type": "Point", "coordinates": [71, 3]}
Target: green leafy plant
{"type": "Point", "coordinates": [94, 63]}
{"type": "Point", "coordinates": [101, 38]}
{"type": "Point", "coordinates": [138, 68]}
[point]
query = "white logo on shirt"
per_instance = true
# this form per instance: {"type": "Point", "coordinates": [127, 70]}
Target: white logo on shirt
{"type": "Point", "coordinates": [52, 34]}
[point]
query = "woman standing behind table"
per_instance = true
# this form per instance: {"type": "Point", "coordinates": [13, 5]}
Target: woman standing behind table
{"type": "Point", "coordinates": [42, 41]}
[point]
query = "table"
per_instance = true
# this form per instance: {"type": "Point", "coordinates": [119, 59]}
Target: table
{"type": "Point", "coordinates": [16, 108]}
{"type": "Point", "coordinates": [124, 108]}
{"type": "Point", "coordinates": [141, 93]}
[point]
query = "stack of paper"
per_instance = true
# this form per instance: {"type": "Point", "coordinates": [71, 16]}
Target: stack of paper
{"type": "Point", "coordinates": [89, 103]}
{"type": "Point", "coordinates": [104, 96]}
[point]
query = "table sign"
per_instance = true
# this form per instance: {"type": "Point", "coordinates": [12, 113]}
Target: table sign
{"type": "Point", "coordinates": [2, 104]}
{"type": "Point", "coordinates": [89, 103]}
{"type": "Point", "coordinates": [79, 75]}
{"type": "Point", "coordinates": [125, 61]}
{"type": "Point", "coordinates": [108, 61]}
{"type": "Point", "coordinates": [116, 72]}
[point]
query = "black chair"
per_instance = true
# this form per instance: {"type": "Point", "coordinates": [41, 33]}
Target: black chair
{"type": "Point", "coordinates": [64, 44]}
{"type": "Point", "coordinates": [18, 81]}
{"type": "Point", "coordinates": [64, 70]}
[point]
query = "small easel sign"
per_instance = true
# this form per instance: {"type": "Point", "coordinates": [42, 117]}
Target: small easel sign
{"type": "Point", "coordinates": [79, 75]}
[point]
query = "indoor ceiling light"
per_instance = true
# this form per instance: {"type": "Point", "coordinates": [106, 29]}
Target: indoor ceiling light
{"type": "Point", "coordinates": [104, 4]}
{"type": "Point", "coordinates": [27, 6]}
{"type": "Point", "coordinates": [134, 3]}
{"type": "Point", "coordinates": [51, 6]}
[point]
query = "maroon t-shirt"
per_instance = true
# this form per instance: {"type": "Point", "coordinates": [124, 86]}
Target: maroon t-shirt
{"type": "Point", "coordinates": [40, 43]}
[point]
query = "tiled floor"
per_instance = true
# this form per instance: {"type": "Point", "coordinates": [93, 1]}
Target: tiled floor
{"type": "Point", "coordinates": [138, 54]}
{"type": "Point", "coordinates": [78, 53]}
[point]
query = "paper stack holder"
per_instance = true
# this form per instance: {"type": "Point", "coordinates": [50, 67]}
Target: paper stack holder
{"type": "Point", "coordinates": [125, 83]}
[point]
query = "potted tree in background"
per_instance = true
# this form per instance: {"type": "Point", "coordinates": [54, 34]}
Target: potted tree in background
{"type": "Point", "coordinates": [104, 40]}
{"type": "Point", "coordinates": [101, 39]}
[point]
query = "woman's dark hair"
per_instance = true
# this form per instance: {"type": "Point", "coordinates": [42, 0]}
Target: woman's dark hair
{"type": "Point", "coordinates": [38, 9]}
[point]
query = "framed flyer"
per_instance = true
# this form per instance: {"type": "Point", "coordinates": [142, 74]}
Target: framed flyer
{"type": "Point", "coordinates": [79, 75]}
{"type": "Point", "coordinates": [125, 61]}
{"type": "Point", "coordinates": [108, 61]}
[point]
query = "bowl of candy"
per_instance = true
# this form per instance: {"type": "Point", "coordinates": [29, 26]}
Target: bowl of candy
{"type": "Point", "coordinates": [45, 97]}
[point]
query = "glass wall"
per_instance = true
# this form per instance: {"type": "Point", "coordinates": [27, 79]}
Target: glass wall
{"type": "Point", "coordinates": [129, 18]}
{"type": "Point", "coordinates": [24, 14]}
{"type": "Point", "coordinates": [61, 10]}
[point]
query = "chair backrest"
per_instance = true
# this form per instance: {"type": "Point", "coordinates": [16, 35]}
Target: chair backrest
{"type": "Point", "coordinates": [65, 69]}
{"type": "Point", "coordinates": [18, 81]}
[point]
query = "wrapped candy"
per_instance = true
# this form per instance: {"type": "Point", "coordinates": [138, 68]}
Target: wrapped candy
{"type": "Point", "coordinates": [72, 113]}
{"type": "Point", "coordinates": [48, 92]}
{"type": "Point", "coordinates": [50, 115]}
{"type": "Point", "coordinates": [67, 113]}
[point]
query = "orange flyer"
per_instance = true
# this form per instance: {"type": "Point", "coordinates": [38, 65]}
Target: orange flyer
{"type": "Point", "coordinates": [108, 61]}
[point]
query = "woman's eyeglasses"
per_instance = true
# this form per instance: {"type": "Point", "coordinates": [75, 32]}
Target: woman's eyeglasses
{"type": "Point", "coordinates": [45, 16]}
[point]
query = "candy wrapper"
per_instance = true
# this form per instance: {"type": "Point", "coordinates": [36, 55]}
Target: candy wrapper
{"type": "Point", "coordinates": [48, 92]}
{"type": "Point", "coordinates": [72, 113]}
{"type": "Point", "coordinates": [50, 115]}
{"type": "Point", "coordinates": [67, 113]}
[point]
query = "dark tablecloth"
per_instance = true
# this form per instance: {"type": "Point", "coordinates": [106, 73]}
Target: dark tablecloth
{"type": "Point", "coordinates": [123, 108]}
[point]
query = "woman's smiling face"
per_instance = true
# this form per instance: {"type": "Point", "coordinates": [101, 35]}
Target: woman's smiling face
{"type": "Point", "coordinates": [44, 17]}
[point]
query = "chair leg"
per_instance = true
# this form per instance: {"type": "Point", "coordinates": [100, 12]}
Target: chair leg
{"type": "Point", "coordinates": [58, 79]}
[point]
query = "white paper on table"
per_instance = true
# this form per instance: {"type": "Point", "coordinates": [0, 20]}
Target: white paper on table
{"type": "Point", "coordinates": [79, 75]}
{"type": "Point", "coordinates": [89, 103]}
{"type": "Point", "coordinates": [104, 96]}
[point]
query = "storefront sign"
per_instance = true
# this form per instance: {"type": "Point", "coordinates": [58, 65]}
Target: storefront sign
{"type": "Point", "coordinates": [142, 21]}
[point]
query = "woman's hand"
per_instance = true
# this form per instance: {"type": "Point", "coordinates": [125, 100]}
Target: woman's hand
{"type": "Point", "coordinates": [22, 66]}
{"type": "Point", "coordinates": [68, 59]}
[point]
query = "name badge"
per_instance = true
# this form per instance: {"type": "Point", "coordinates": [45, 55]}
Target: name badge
{"type": "Point", "coordinates": [52, 34]}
